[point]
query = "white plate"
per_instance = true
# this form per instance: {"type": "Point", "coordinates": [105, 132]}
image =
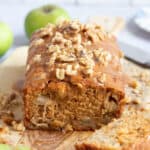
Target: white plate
{"type": "Point", "coordinates": [142, 19]}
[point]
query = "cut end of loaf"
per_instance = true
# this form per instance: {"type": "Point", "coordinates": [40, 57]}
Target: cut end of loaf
{"type": "Point", "coordinates": [69, 107]}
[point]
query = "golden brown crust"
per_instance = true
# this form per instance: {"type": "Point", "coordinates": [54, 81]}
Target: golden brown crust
{"type": "Point", "coordinates": [69, 63]}
{"type": "Point", "coordinates": [106, 62]}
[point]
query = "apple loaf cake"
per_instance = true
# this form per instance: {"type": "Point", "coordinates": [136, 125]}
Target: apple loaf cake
{"type": "Point", "coordinates": [74, 79]}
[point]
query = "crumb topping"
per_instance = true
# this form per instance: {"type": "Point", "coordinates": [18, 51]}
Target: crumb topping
{"type": "Point", "coordinates": [69, 48]}
{"type": "Point", "coordinates": [37, 58]}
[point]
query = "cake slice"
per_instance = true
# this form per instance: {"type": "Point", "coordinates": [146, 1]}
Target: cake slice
{"type": "Point", "coordinates": [74, 78]}
{"type": "Point", "coordinates": [130, 132]}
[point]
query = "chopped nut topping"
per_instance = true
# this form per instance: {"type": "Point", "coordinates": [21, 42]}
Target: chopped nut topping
{"type": "Point", "coordinates": [83, 61]}
{"type": "Point", "coordinates": [37, 42]}
{"type": "Point", "coordinates": [105, 57]}
{"type": "Point", "coordinates": [76, 66]}
{"type": "Point", "coordinates": [75, 25]}
{"type": "Point", "coordinates": [60, 74]}
{"type": "Point", "coordinates": [52, 59]}
{"type": "Point", "coordinates": [37, 58]}
{"type": "Point", "coordinates": [92, 36]}
{"type": "Point", "coordinates": [65, 58]}
{"type": "Point", "coordinates": [50, 29]}
{"type": "Point", "coordinates": [69, 48]}
{"type": "Point", "coordinates": [97, 52]}
{"type": "Point", "coordinates": [102, 56]}
{"type": "Point", "coordinates": [42, 76]}
{"type": "Point", "coordinates": [46, 31]}
{"type": "Point", "coordinates": [88, 71]}
{"type": "Point", "coordinates": [77, 39]}
{"type": "Point", "coordinates": [70, 71]}
{"type": "Point", "coordinates": [53, 48]}
{"type": "Point", "coordinates": [58, 38]}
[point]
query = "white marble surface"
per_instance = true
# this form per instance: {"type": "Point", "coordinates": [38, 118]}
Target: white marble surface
{"type": "Point", "coordinates": [14, 15]}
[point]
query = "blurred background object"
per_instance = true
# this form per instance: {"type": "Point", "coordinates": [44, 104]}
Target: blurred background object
{"type": "Point", "coordinates": [41, 16]}
{"type": "Point", "coordinates": [14, 13]}
{"type": "Point", "coordinates": [142, 19]}
{"type": "Point", "coordinates": [6, 38]}
{"type": "Point", "coordinates": [111, 25]}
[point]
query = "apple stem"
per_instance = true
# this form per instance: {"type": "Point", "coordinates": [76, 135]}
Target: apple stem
{"type": "Point", "coordinates": [47, 9]}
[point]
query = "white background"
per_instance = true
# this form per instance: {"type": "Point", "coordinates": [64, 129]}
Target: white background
{"type": "Point", "coordinates": [13, 12]}
{"type": "Point", "coordinates": [116, 2]}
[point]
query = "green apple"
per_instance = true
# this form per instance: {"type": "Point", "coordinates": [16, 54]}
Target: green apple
{"type": "Point", "coordinates": [40, 17]}
{"type": "Point", "coordinates": [5, 147]}
{"type": "Point", "coordinates": [6, 38]}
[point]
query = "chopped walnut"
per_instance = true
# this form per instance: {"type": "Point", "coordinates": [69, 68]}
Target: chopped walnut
{"type": "Point", "coordinates": [42, 76]}
{"type": "Point", "coordinates": [70, 71]}
{"type": "Point", "coordinates": [47, 31]}
{"type": "Point", "coordinates": [50, 29]}
{"type": "Point", "coordinates": [58, 38]}
{"type": "Point", "coordinates": [53, 48]}
{"type": "Point", "coordinates": [77, 39]}
{"type": "Point", "coordinates": [65, 58]}
{"type": "Point", "coordinates": [83, 61]}
{"type": "Point", "coordinates": [92, 36]}
{"type": "Point", "coordinates": [105, 57]}
{"type": "Point", "coordinates": [88, 71]}
{"type": "Point", "coordinates": [52, 59]}
{"type": "Point", "coordinates": [60, 74]}
{"type": "Point", "coordinates": [102, 56]}
{"type": "Point", "coordinates": [37, 42]}
{"type": "Point", "coordinates": [37, 58]}
{"type": "Point", "coordinates": [71, 28]}
{"type": "Point", "coordinates": [69, 48]}
{"type": "Point", "coordinates": [76, 66]}
{"type": "Point", "coordinates": [97, 52]}
{"type": "Point", "coordinates": [75, 25]}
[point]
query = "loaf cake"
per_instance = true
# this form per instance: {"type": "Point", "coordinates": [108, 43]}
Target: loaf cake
{"type": "Point", "coordinates": [130, 132]}
{"type": "Point", "coordinates": [74, 79]}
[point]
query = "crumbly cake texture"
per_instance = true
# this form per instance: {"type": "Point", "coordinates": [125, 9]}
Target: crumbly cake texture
{"type": "Point", "coordinates": [74, 78]}
{"type": "Point", "coordinates": [130, 132]}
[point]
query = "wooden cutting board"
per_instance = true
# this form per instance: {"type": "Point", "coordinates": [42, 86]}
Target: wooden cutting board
{"type": "Point", "coordinates": [13, 69]}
